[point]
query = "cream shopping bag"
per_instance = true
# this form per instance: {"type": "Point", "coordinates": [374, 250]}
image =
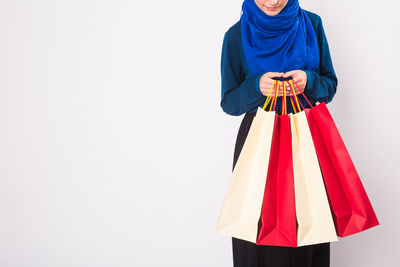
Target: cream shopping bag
{"type": "Point", "coordinates": [241, 208]}
{"type": "Point", "coordinates": [313, 213]}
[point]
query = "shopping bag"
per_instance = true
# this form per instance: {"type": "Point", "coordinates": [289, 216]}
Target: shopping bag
{"type": "Point", "coordinates": [313, 213]}
{"type": "Point", "coordinates": [352, 211]}
{"type": "Point", "coordinates": [278, 214]}
{"type": "Point", "coordinates": [241, 208]}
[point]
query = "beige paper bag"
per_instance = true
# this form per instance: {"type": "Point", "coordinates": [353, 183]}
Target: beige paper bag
{"type": "Point", "coordinates": [313, 213]}
{"type": "Point", "coordinates": [241, 208]}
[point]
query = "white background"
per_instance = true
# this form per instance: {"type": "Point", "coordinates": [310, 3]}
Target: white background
{"type": "Point", "coordinates": [114, 150]}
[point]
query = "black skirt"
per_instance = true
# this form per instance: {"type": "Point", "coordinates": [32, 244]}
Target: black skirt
{"type": "Point", "coordinates": [247, 254]}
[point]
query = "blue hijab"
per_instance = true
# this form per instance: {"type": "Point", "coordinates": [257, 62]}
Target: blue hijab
{"type": "Point", "coordinates": [278, 43]}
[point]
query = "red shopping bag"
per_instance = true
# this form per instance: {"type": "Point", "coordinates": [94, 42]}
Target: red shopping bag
{"type": "Point", "coordinates": [278, 215]}
{"type": "Point", "coordinates": [351, 209]}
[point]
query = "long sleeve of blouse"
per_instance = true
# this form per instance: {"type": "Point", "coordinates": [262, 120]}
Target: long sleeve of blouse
{"type": "Point", "coordinates": [240, 89]}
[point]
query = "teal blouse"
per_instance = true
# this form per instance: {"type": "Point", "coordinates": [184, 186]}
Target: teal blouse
{"type": "Point", "coordinates": [240, 89]}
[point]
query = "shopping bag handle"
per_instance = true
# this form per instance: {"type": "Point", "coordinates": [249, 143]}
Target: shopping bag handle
{"type": "Point", "coordinates": [276, 95]}
{"type": "Point", "coordinates": [294, 106]}
{"type": "Point", "coordinates": [284, 104]}
{"type": "Point", "coordinates": [291, 82]}
{"type": "Point", "coordinates": [268, 97]}
{"type": "Point", "coordinates": [276, 82]}
{"type": "Point", "coordinates": [284, 100]}
{"type": "Point", "coordinates": [295, 98]}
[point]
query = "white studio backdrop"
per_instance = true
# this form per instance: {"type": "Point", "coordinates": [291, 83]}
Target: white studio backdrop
{"type": "Point", "coordinates": [114, 150]}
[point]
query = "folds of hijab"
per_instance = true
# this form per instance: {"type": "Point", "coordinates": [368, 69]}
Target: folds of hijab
{"type": "Point", "coordinates": [279, 43]}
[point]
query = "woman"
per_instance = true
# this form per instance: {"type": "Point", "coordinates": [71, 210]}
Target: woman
{"type": "Point", "coordinates": [274, 40]}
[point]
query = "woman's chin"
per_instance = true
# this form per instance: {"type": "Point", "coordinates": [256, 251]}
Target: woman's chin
{"type": "Point", "coordinates": [271, 13]}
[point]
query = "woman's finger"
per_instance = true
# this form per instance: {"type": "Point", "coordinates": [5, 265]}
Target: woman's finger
{"type": "Point", "coordinates": [298, 84]}
{"type": "Point", "coordinates": [296, 93]}
{"type": "Point", "coordinates": [274, 74]}
{"type": "Point", "coordinates": [289, 74]}
{"type": "Point", "coordinates": [270, 87]}
{"type": "Point", "coordinates": [267, 81]}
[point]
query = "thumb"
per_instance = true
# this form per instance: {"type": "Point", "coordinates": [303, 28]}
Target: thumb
{"type": "Point", "coordinates": [274, 74]}
{"type": "Point", "coordinates": [288, 74]}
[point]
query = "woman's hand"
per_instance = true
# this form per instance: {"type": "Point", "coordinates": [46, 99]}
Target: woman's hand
{"type": "Point", "coordinates": [299, 77]}
{"type": "Point", "coordinates": [266, 83]}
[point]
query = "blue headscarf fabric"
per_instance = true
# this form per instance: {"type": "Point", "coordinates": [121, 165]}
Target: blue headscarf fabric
{"type": "Point", "coordinates": [279, 43]}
